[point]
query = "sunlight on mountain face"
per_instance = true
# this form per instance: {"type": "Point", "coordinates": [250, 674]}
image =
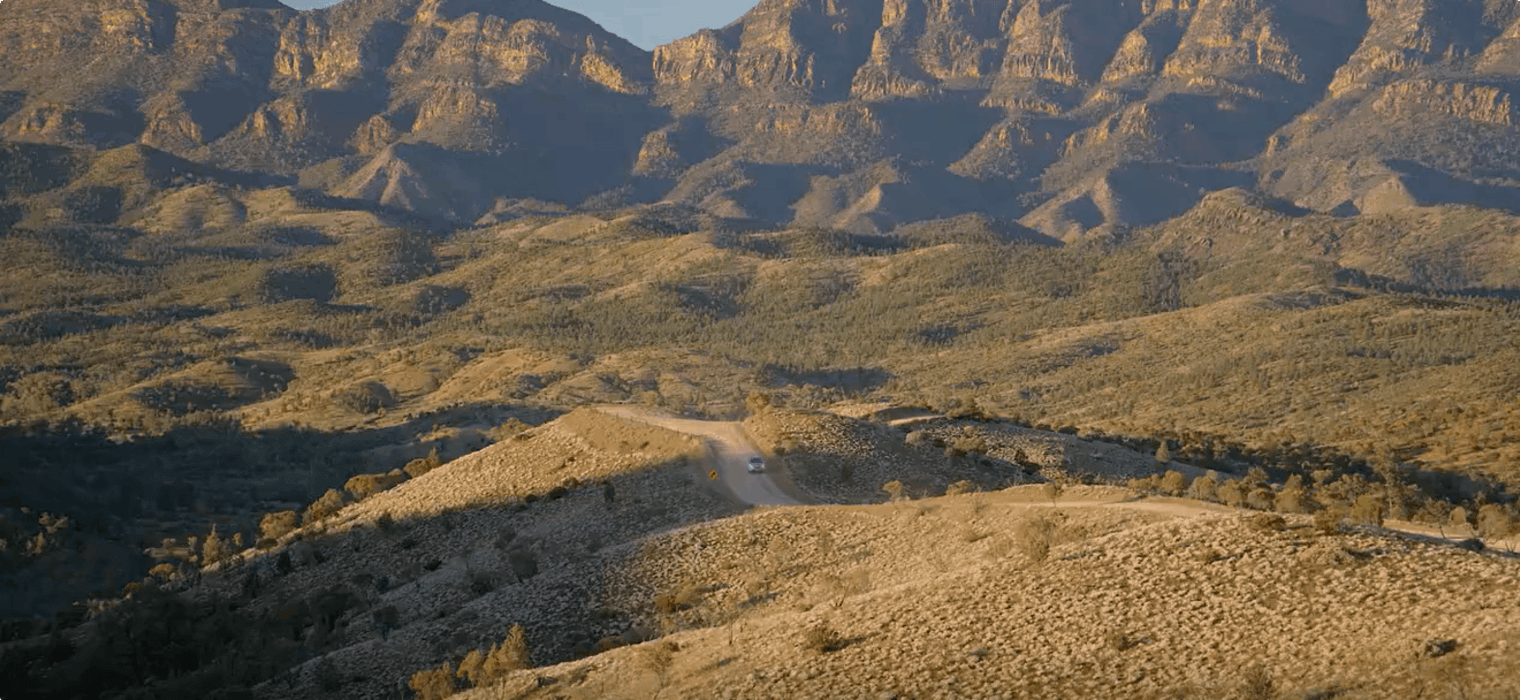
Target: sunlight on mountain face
{"type": "Point", "coordinates": [857, 348]}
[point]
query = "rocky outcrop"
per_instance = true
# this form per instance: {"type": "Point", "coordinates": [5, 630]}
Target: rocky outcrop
{"type": "Point", "coordinates": [924, 46]}
{"type": "Point", "coordinates": [807, 47]}
{"type": "Point", "coordinates": [1479, 103]}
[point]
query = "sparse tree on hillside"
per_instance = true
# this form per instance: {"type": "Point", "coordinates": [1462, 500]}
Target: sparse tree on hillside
{"type": "Point", "coordinates": [1163, 453]}
{"type": "Point", "coordinates": [894, 490]}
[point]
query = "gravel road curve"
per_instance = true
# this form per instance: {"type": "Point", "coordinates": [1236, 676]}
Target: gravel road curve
{"type": "Point", "coordinates": [731, 451]}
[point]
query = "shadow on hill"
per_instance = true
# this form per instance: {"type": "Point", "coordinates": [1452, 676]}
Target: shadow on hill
{"type": "Point", "coordinates": [129, 494]}
{"type": "Point", "coordinates": [854, 380]}
{"type": "Point", "coordinates": [1425, 185]}
{"type": "Point", "coordinates": [302, 614]}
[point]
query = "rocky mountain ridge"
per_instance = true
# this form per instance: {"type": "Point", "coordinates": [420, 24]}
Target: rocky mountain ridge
{"type": "Point", "coordinates": [1072, 117]}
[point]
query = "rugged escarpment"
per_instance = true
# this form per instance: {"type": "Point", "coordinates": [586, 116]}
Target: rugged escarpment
{"type": "Point", "coordinates": [456, 108]}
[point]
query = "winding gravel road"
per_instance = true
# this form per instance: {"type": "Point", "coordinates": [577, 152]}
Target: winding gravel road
{"type": "Point", "coordinates": [731, 451]}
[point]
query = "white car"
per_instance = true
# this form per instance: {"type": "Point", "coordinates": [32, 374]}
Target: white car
{"type": "Point", "coordinates": [756, 464]}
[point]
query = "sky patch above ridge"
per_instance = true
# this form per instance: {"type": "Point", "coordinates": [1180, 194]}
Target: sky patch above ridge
{"type": "Point", "coordinates": [646, 23]}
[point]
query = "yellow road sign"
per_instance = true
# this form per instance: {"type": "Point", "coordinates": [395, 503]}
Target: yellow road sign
{"type": "Point", "coordinates": [712, 475]}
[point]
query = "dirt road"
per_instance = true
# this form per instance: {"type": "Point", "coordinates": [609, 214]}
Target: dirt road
{"type": "Point", "coordinates": [731, 451]}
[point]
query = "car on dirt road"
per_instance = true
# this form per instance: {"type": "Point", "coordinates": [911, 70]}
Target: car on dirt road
{"type": "Point", "coordinates": [756, 464]}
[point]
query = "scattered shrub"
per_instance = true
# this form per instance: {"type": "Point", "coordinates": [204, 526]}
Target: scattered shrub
{"type": "Point", "coordinates": [1261, 498]}
{"type": "Point", "coordinates": [959, 487]}
{"type": "Point", "coordinates": [163, 572]}
{"type": "Point", "coordinates": [893, 490]}
{"type": "Point", "coordinates": [1034, 537]}
{"type": "Point", "coordinates": [323, 508]}
{"type": "Point", "coordinates": [823, 639]}
{"type": "Point", "coordinates": [1268, 522]}
{"type": "Point", "coordinates": [273, 526]}
{"type": "Point", "coordinates": [1327, 521]}
{"type": "Point", "coordinates": [365, 485]}
{"type": "Point", "coordinates": [1256, 684]}
{"type": "Point", "coordinates": [1053, 490]}
{"type": "Point", "coordinates": [418, 467]}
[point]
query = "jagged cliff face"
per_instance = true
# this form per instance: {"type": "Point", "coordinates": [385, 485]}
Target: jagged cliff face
{"type": "Point", "coordinates": [253, 85]}
{"type": "Point", "coordinates": [855, 113]}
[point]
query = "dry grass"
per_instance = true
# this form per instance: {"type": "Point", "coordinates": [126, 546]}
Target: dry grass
{"type": "Point", "coordinates": [1118, 601]}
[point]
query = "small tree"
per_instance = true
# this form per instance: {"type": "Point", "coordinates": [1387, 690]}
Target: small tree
{"type": "Point", "coordinates": [213, 550]}
{"type": "Point", "coordinates": [472, 668]}
{"type": "Point", "coordinates": [1231, 494]}
{"type": "Point", "coordinates": [1204, 488]}
{"type": "Point", "coordinates": [659, 658]}
{"type": "Point", "coordinates": [510, 655]}
{"type": "Point", "coordinates": [893, 489]}
{"type": "Point", "coordinates": [1163, 453]}
{"type": "Point", "coordinates": [1173, 483]}
{"type": "Point", "coordinates": [433, 683]}
{"type": "Point", "coordinates": [1460, 519]}
{"type": "Point", "coordinates": [1294, 496]}
{"type": "Point", "coordinates": [1368, 509]}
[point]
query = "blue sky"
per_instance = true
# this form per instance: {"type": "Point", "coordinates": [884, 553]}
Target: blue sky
{"type": "Point", "coordinates": [647, 23]}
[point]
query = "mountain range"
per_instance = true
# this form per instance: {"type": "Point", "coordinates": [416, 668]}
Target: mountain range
{"type": "Point", "coordinates": [862, 115]}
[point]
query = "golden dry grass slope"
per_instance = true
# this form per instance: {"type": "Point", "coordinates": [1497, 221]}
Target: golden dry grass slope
{"type": "Point", "coordinates": [951, 598]}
